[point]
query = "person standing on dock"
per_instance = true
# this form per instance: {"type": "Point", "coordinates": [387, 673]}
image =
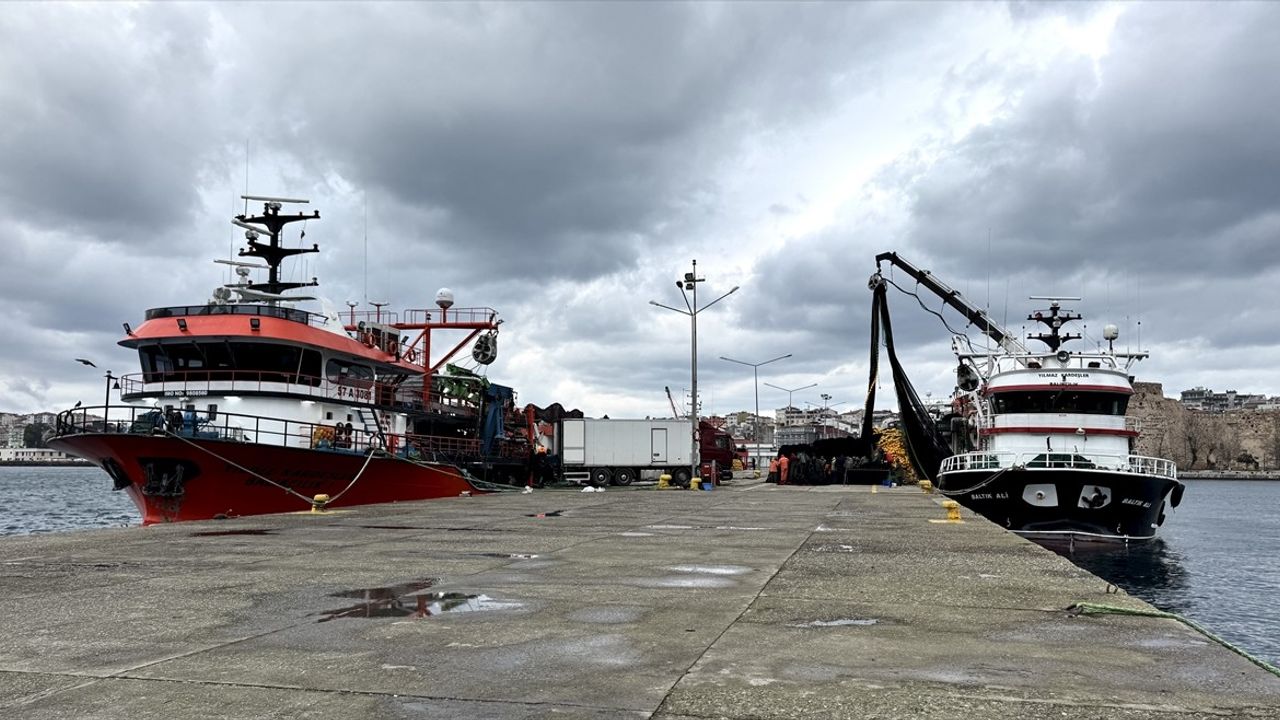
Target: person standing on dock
{"type": "Point", "coordinates": [783, 463]}
{"type": "Point", "coordinates": [773, 471]}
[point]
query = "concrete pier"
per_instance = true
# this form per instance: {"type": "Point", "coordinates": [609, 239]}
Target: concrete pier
{"type": "Point", "coordinates": [752, 601]}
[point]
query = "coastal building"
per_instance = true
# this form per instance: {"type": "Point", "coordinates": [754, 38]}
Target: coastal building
{"type": "Point", "coordinates": [33, 456]}
{"type": "Point", "coordinates": [1203, 399]}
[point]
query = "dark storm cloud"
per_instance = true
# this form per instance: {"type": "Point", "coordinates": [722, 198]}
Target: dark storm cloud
{"type": "Point", "coordinates": [101, 120]}
{"type": "Point", "coordinates": [1162, 160]}
{"type": "Point", "coordinates": [561, 140]}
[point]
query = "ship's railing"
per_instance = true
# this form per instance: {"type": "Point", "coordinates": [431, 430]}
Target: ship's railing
{"type": "Point", "coordinates": [201, 383]}
{"type": "Point", "coordinates": [1000, 361]}
{"type": "Point", "coordinates": [422, 316]}
{"type": "Point", "coordinates": [284, 313]}
{"type": "Point", "coordinates": [477, 315]}
{"type": "Point", "coordinates": [278, 432]}
{"type": "Point", "coordinates": [1137, 464]}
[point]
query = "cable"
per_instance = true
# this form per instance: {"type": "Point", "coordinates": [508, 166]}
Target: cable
{"type": "Point", "coordinates": [1085, 608]}
{"type": "Point", "coordinates": [291, 491]}
{"type": "Point", "coordinates": [980, 485]}
{"type": "Point", "coordinates": [928, 309]}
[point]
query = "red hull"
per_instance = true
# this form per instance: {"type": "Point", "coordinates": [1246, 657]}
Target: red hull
{"type": "Point", "coordinates": [172, 480]}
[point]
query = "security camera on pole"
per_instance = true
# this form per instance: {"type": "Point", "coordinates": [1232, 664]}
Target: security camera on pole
{"type": "Point", "coordinates": [689, 284]}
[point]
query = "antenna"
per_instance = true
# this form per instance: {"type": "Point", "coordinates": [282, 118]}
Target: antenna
{"type": "Point", "coordinates": [246, 176]}
{"type": "Point", "coordinates": [366, 246]}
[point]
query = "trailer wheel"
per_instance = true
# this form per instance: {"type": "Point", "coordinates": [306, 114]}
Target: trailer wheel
{"type": "Point", "coordinates": [681, 476]}
{"type": "Point", "coordinates": [601, 476]}
{"type": "Point", "coordinates": [624, 476]}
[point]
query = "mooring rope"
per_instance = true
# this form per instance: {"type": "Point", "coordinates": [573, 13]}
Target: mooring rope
{"type": "Point", "coordinates": [291, 491]}
{"type": "Point", "coordinates": [1085, 608]}
{"type": "Point", "coordinates": [990, 479]}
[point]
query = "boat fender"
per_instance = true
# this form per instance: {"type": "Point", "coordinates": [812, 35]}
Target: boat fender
{"type": "Point", "coordinates": [1176, 498]}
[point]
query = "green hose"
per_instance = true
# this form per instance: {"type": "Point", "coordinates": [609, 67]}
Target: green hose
{"type": "Point", "coordinates": [1085, 608]}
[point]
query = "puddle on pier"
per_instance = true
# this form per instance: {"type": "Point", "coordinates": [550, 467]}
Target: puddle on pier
{"type": "Point", "coordinates": [712, 569]}
{"type": "Point", "coordinates": [407, 600]}
{"type": "Point", "coordinates": [247, 531]}
{"type": "Point", "coordinates": [506, 556]}
{"type": "Point", "coordinates": [835, 623]}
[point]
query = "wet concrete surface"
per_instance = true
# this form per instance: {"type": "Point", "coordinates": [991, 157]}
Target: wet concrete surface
{"type": "Point", "coordinates": [748, 602]}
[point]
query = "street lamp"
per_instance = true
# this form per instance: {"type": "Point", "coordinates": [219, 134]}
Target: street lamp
{"type": "Point", "coordinates": [826, 409]}
{"type": "Point", "coordinates": [106, 403]}
{"type": "Point", "coordinates": [788, 392]}
{"type": "Point", "coordinates": [106, 400]}
{"type": "Point", "coordinates": [690, 284]}
{"type": "Point", "coordinates": [755, 374]}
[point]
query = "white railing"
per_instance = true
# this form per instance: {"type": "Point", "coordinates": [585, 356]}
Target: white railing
{"type": "Point", "coordinates": [1137, 464]}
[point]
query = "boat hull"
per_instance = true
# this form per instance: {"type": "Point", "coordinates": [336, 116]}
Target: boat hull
{"type": "Point", "coordinates": [1051, 504]}
{"type": "Point", "coordinates": [173, 479]}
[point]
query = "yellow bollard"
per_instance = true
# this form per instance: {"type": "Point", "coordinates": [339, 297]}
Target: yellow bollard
{"type": "Point", "coordinates": [664, 482]}
{"type": "Point", "coordinates": [953, 512]}
{"type": "Point", "coordinates": [926, 487]}
{"type": "Point", "coordinates": [874, 490]}
{"type": "Point", "coordinates": [318, 502]}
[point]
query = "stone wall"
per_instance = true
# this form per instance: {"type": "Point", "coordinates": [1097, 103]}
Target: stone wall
{"type": "Point", "coordinates": [1236, 440]}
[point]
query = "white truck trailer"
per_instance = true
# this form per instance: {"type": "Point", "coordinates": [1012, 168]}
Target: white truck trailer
{"type": "Point", "coordinates": [620, 451]}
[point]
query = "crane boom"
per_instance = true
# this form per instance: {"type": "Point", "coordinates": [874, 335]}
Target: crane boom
{"type": "Point", "coordinates": [674, 413]}
{"type": "Point", "coordinates": [975, 315]}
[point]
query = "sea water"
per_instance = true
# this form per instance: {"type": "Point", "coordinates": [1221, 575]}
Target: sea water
{"type": "Point", "coordinates": [1217, 562]}
{"type": "Point", "coordinates": [56, 499]}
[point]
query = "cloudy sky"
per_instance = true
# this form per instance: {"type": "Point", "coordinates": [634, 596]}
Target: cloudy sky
{"type": "Point", "coordinates": [565, 162]}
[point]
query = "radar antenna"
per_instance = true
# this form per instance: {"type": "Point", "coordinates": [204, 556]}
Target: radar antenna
{"type": "Point", "coordinates": [270, 222]}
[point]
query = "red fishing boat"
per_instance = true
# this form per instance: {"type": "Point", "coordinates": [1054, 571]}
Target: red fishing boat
{"type": "Point", "coordinates": [246, 404]}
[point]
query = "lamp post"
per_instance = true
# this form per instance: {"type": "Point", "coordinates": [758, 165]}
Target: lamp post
{"type": "Point", "coordinates": [788, 392]}
{"type": "Point", "coordinates": [825, 409]}
{"type": "Point", "coordinates": [106, 400]}
{"type": "Point", "coordinates": [755, 375]}
{"type": "Point", "coordinates": [690, 284]}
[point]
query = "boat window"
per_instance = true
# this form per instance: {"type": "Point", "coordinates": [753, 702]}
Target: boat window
{"type": "Point", "coordinates": [1060, 401]}
{"type": "Point", "coordinates": [225, 361]}
{"type": "Point", "coordinates": [348, 372]}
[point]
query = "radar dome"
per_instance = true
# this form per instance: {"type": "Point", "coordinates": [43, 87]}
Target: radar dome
{"type": "Point", "coordinates": [1110, 332]}
{"type": "Point", "coordinates": [444, 298]}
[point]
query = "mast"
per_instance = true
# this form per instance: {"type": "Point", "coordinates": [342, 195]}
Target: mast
{"type": "Point", "coordinates": [1054, 321]}
{"type": "Point", "coordinates": [272, 252]}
